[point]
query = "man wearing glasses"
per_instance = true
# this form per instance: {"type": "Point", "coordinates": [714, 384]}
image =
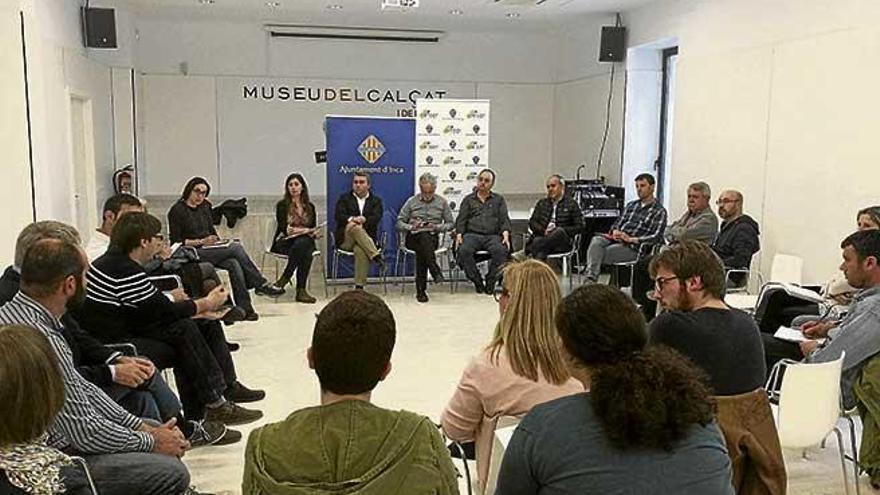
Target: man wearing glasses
{"type": "Point", "coordinates": [483, 225]}
{"type": "Point", "coordinates": [738, 239]}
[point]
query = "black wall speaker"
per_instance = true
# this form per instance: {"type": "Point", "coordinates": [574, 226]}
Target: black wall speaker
{"type": "Point", "coordinates": [612, 48]}
{"type": "Point", "coordinates": [99, 27]}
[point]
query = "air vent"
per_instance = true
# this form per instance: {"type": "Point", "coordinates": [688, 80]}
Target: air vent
{"type": "Point", "coordinates": [353, 33]}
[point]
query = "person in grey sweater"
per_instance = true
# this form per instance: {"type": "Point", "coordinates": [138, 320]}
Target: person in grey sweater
{"type": "Point", "coordinates": [697, 223]}
{"type": "Point", "coordinates": [646, 425]}
{"type": "Point", "coordinates": [423, 217]}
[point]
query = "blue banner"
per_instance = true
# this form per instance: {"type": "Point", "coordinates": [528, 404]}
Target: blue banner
{"type": "Point", "coordinates": [385, 149]}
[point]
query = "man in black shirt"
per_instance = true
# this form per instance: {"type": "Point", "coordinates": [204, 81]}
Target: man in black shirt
{"type": "Point", "coordinates": [724, 342]}
{"type": "Point", "coordinates": [555, 221]}
{"type": "Point", "coordinates": [483, 224]}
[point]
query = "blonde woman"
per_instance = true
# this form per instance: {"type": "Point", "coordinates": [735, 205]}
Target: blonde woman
{"type": "Point", "coordinates": [521, 367]}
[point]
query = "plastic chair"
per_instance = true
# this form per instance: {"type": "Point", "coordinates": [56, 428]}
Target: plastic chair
{"type": "Point", "coordinates": [404, 252]}
{"type": "Point", "coordinates": [809, 405]}
{"type": "Point", "coordinates": [504, 429]}
{"type": "Point", "coordinates": [85, 467]}
{"type": "Point", "coordinates": [337, 252]}
{"type": "Point", "coordinates": [645, 249]}
{"type": "Point", "coordinates": [786, 268]}
{"type": "Point", "coordinates": [268, 240]}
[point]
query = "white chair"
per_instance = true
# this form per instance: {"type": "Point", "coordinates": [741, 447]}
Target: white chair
{"type": "Point", "coordinates": [570, 258]}
{"type": "Point", "coordinates": [809, 406]}
{"type": "Point", "coordinates": [504, 429]}
{"type": "Point", "coordinates": [404, 252]}
{"type": "Point", "coordinates": [337, 252]}
{"type": "Point", "coordinates": [786, 268]}
{"type": "Point", "coordinates": [268, 240]}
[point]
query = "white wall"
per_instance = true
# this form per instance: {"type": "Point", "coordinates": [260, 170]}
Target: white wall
{"type": "Point", "coordinates": [780, 106]}
{"type": "Point", "coordinates": [519, 71]}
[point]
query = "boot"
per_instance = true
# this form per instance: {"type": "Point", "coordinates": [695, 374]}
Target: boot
{"type": "Point", "coordinates": [304, 297]}
{"type": "Point", "coordinates": [282, 282]}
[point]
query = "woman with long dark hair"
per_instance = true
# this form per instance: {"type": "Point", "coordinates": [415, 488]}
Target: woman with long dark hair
{"type": "Point", "coordinates": [645, 424]}
{"type": "Point", "coordinates": [295, 235]}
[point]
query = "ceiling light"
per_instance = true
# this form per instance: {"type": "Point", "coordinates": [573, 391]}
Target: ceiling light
{"type": "Point", "coordinates": [206, 2]}
{"type": "Point", "coordinates": [273, 5]}
{"type": "Point", "coordinates": [334, 6]}
{"type": "Point", "coordinates": [513, 15]}
{"type": "Point", "coordinates": [456, 12]}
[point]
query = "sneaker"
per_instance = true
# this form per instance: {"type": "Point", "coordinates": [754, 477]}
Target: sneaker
{"type": "Point", "coordinates": [211, 433]}
{"type": "Point", "coordinates": [239, 393]}
{"type": "Point", "coordinates": [269, 290]}
{"type": "Point", "coordinates": [422, 297]}
{"type": "Point", "coordinates": [232, 346]}
{"type": "Point", "coordinates": [231, 414]}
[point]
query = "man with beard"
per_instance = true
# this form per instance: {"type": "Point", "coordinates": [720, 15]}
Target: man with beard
{"type": "Point", "coordinates": [724, 342]}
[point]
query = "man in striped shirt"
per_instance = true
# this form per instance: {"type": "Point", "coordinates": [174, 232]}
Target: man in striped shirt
{"type": "Point", "coordinates": [125, 455]}
{"type": "Point", "coordinates": [123, 305]}
{"type": "Point", "coordinates": [643, 222]}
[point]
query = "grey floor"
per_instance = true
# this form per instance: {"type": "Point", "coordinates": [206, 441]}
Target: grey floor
{"type": "Point", "coordinates": [434, 343]}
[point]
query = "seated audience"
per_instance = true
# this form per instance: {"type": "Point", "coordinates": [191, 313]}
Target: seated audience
{"type": "Point", "coordinates": [555, 221]}
{"type": "Point", "coordinates": [423, 217]}
{"type": "Point", "coordinates": [347, 444]}
{"type": "Point", "coordinates": [697, 223]}
{"type": "Point", "coordinates": [190, 222]}
{"type": "Point", "coordinates": [645, 426]}
{"type": "Point", "coordinates": [778, 308]}
{"type": "Point", "coordinates": [521, 367]}
{"type": "Point", "coordinates": [357, 216]}
{"type": "Point", "coordinates": [482, 225]}
{"type": "Point", "coordinates": [295, 234]}
{"type": "Point", "coordinates": [32, 391]}
{"type": "Point", "coordinates": [114, 207]}
{"type": "Point", "coordinates": [122, 305]}
{"type": "Point", "coordinates": [642, 222]}
{"type": "Point", "coordinates": [90, 423]}
{"type": "Point", "coordinates": [857, 332]}
{"type": "Point", "coordinates": [738, 239]}
{"type": "Point", "coordinates": [130, 381]}
{"type": "Point", "coordinates": [726, 344]}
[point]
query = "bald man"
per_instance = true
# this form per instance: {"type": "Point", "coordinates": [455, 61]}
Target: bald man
{"type": "Point", "coordinates": [738, 240]}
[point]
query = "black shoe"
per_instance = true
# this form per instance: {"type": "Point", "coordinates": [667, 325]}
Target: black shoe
{"type": "Point", "coordinates": [232, 346]}
{"type": "Point", "coordinates": [358, 287]}
{"type": "Point", "coordinates": [192, 491]}
{"type": "Point", "coordinates": [251, 316]}
{"type": "Point", "coordinates": [212, 433]}
{"type": "Point", "coordinates": [235, 314]}
{"type": "Point", "coordinates": [239, 393]}
{"type": "Point", "coordinates": [490, 287]}
{"type": "Point", "coordinates": [231, 413]}
{"type": "Point", "coordinates": [480, 287]}
{"type": "Point", "coordinates": [269, 290]}
{"type": "Point", "coordinates": [438, 277]}
{"type": "Point", "coordinates": [379, 261]}
{"type": "Point", "coordinates": [422, 297]}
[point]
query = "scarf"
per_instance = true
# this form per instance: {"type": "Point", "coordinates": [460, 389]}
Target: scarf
{"type": "Point", "coordinates": [34, 467]}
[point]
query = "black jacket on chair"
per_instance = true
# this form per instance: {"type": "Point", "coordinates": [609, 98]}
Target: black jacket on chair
{"type": "Point", "coordinates": [347, 206]}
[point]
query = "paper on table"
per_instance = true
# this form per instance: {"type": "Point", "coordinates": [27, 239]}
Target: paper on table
{"type": "Point", "coordinates": [789, 334]}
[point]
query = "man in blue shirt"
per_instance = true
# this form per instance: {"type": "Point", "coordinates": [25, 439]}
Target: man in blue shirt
{"type": "Point", "coordinates": [643, 221]}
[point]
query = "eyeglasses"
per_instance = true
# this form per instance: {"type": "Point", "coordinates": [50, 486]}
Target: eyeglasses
{"type": "Point", "coordinates": [498, 294]}
{"type": "Point", "coordinates": [659, 282]}
{"type": "Point", "coordinates": [161, 237]}
{"type": "Point", "coordinates": [725, 201]}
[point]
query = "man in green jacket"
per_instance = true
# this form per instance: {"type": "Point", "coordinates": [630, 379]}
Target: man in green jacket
{"type": "Point", "coordinates": [347, 445]}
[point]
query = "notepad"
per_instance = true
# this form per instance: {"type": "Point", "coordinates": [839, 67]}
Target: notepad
{"type": "Point", "coordinates": [789, 334]}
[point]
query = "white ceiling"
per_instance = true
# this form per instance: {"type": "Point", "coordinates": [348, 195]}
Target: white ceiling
{"type": "Point", "coordinates": [430, 14]}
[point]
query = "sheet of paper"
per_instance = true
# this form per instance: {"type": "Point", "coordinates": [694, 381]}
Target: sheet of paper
{"type": "Point", "coordinates": [789, 334]}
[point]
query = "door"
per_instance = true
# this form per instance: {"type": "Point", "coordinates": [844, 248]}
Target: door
{"type": "Point", "coordinates": [83, 159]}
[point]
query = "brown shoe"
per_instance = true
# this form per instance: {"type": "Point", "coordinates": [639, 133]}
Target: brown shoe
{"type": "Point", "coordinates": [304, 297]}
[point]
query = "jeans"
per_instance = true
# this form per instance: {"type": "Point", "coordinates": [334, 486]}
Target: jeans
{"type": "Point", "coordinates": [130, 473]}
{"type": "Point", "coordinates": [424, 244]}
{"type": "Point", "coordinates": [200, 357]}
{"type": "Point", "coordinates": [243, 273]}
{"type": "Point", "coordinates": [471, 243]}
{"type": "Point", "coordinates": [541, 246]}
{"type": "Point", "coordinates": [603, 251]}
{"type": "Point", "coordinates": [358, 241]}
{"type": "Point", "coordinates": [299, 252]}
{"type": "Point", "coordinates": [153, 399]}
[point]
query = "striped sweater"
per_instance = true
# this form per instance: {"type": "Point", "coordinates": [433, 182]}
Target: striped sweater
{"type": "Point", "coordinates": [121, 301]}
{"type": "Point", "coordinates": [89, 422]}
